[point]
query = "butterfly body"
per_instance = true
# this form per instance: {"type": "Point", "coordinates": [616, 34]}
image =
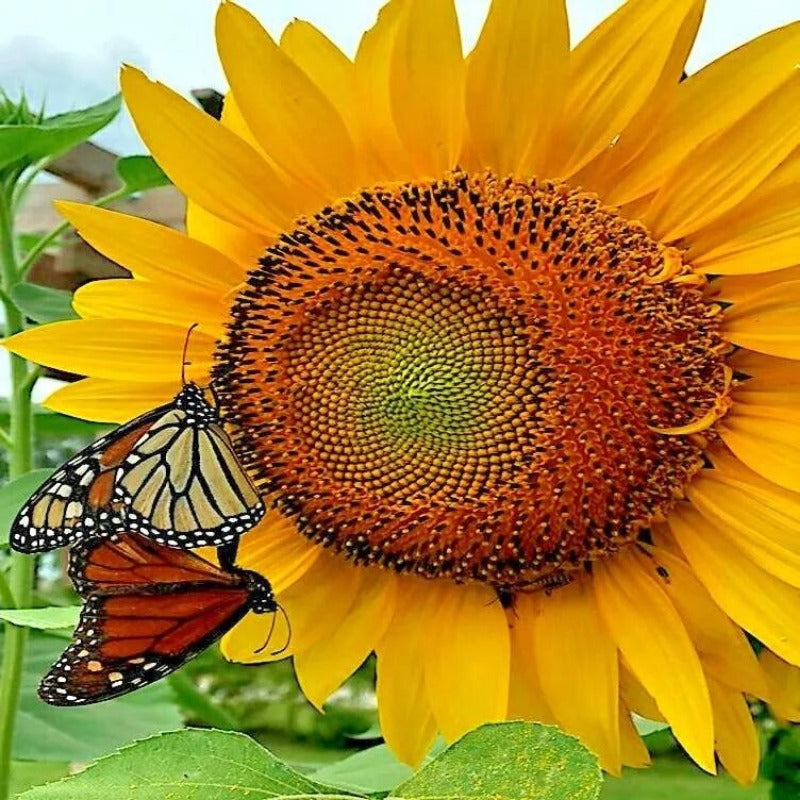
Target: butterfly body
{"type": "Point", "coordinates": [148, 609]}
{"type": "Point", "coordinates": [170, 474]}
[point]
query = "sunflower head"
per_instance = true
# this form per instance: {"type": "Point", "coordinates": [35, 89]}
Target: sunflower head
{"type": "Point", "coordinates": [475, 378]}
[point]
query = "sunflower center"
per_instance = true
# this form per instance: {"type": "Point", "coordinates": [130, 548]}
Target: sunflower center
{"type": "Point", "coordinates": [473, 378]}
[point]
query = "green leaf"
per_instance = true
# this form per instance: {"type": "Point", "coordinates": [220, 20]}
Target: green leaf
{"type": "Point", "coordinates": [14, 140]}
{"type": "Point", "coordinates": [58, 134]}
{"type": "Point", "coordinates": [139, 173]}
{"type": "Point", "coordinates": [46, 733]}
{"type": "Point", "coordinates": [647, 726]}
{"type": "Point", "coordinates": [374, 770]}
{"type": "Point", "coordinates": [509, 761]}
{"type": "Point", "coordinates": [14, 495]}
{"type": "Point", "coordinates": [190, 765]}
{"type": "Point", "coordinates": [43, 619]}
{"type": "Point", "coordinates": [25, 774]}
{"type": "Point", "coordinates": [55, 135]}
{"type": "Point", "coordinates": [41, 303]}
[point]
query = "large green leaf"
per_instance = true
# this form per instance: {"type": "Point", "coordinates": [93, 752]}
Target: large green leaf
{"type": "Point", "coordinates": [42, 303]}
{"type": "Point", "coordinates": [13, 496]}
{"type": "Point", "coordinates": [139, 173]}
{"type": "Point", "coordinates": [190, 765]}
{"type": "Point", "coordinates": [374, 770]}
{"type": "Point", "coordinates": [46, 733]}
{"type": "Point", "coordinates": [509, 761]}
{"type": "Point", "coordinates": [43, 619]}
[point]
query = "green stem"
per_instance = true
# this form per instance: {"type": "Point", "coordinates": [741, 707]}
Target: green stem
{"type": "Point", "coordinates": [21, 572]}
{"type": "Point", "coordinates": [48, 239]}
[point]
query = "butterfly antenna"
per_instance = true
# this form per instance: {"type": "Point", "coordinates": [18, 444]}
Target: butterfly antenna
{"type": "Point", "coordinates": [263, 647]}
{"type": "Point", "coordinates": [184, 362]}
{"type": "Point", "coordinates": [288, 632]}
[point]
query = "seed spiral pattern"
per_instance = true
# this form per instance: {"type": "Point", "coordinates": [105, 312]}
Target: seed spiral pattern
{"type": "Point", "coordinates": [474, 378]}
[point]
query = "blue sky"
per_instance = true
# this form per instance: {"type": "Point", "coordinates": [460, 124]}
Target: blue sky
{"type": "Point", "coordinates": [67, 52]}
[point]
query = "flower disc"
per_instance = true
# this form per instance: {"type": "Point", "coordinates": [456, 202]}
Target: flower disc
{"type": "Point", "coordinates": [476, 378]}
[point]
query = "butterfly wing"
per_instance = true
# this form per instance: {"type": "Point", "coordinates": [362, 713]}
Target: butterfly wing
{"type": "Point", "coordinates": [127, 563]}
{"type": "Point", "coordinates": [149, 610]}
{"type": "Point", "coordinates": [78, 498]}
{"type": "Point", "coordinates": [183, 486]}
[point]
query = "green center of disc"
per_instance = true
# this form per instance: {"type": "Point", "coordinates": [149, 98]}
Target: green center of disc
{"type": "Point", "coordinates": [407, 380]}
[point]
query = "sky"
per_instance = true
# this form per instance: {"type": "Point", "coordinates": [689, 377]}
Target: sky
{"type": "Point", "coordinates": [67, 52]}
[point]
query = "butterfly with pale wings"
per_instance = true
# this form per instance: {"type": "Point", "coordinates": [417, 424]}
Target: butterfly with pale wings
{"type": "Point", "coordinates": [148, 609]}
{"type": "Point", "coordinates": [170, 474]}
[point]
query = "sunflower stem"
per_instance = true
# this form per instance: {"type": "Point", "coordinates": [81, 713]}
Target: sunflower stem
{"type": "Point", "coordinates": [21, 572]}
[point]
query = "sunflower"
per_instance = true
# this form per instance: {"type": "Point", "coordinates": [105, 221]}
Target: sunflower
{"type": "Point", "coordinates": [508, 342]}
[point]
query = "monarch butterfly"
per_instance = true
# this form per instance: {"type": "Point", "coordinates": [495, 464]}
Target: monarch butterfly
{"type": "Point", "coordinates": [170, 474]}
{"type": "Point", "coordinates": [149, 609]}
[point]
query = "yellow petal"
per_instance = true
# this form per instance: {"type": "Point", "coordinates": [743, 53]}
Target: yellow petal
{"type": "Point", "coordinates": [277, 550]}
{"type": "Point", "coordinates": [299, 196]}
{"type": "Point", "coordinates": [602, 173]}
{"type": "Point", "coordinates": [739, 288]}
{"type": "Point", "coordinates": [762, 234]}
{"type": "Point", "coordinates": [614, 70]}
{"type": "Point", "coordinates": [427, 85]}
{"type": "Point", "coordinates": [708, 103]}
{"type": "Point", "coordinates": [757, 516]}
{"type": "Point", "coordinates": [723, 649]}
{"type": "Point", "coordinates": [110, 401]}
{"type": "Point", "coordinates": [757, 601]}
{"type": "Point", "coordinates": [467, 659]}
{"type": "Point", "coordinates": [768, 322]}
{"type": "Point", "coordinates": [578, 668]}
{"type": "Point", "coordinates": [722, 172]}
{"type": "Point", "coordinates": [116, 349]}
{"type": "Point", "coordinates": [636, 697]}
{"type": "Point", "coordinates": [404, 710]}
{"type": "Point", "coordinates": [316, 603]}
{"type": "Point", "coordinates": [331, 71]}
{"type": "Point", "coordinates": [294, 122]}
{"type": "Point", "coordinates": [124, 298]}
{"type": "Point", "coordinates": [784, 680]}
{"type": "Point", "coordinates": [324, 666]}
{"type": "Point", "coordinates": [238, 244]}
{"type": "Point", "coordinates": [526, 698]}
{"type": "Point", "coordinates": [769, 446]}
{"type": "Point", "coordinates": [386, 154]}
{"type": "Point", "coordinates": [735, 732]}
{"type": "Point", "coordinates": [654, 642]}
{"type": "Point", "coordinates": [515, 79]}
{"type": "Point", "coordinates": [767, 376]}
{"type": "Point", "coordinates": [204, 160]}
{"type": "Point", "coordinates": [152, 251]}
{"type": "Point", "coordinates": [632, 747]}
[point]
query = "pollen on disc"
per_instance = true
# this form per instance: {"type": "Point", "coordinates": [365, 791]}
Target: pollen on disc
{"type": "Point", "coordinates": [471, 378]}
